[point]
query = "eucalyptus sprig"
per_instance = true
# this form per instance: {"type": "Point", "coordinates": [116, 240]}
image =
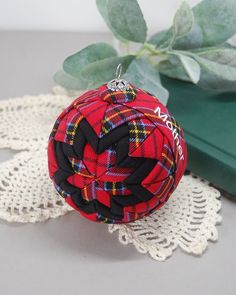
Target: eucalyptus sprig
{"type": "Point", "coordinates": [195, 49]}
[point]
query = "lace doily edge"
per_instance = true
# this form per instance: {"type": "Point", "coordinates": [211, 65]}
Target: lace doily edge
{"type": "Point", "coordinates": [38, 215]}
{"type": "Point", "coordinates": [126, 237]}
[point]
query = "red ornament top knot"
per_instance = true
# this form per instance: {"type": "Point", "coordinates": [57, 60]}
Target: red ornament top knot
{"type": "Point", "coordinates": [117, 96]}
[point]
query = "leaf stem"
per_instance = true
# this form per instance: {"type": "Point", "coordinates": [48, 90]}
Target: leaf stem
{"type": "Point", "coordinates": [150, 50]}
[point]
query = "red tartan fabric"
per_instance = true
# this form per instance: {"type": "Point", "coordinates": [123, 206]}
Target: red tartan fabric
{"type": "Point", "coordinates": [116, 156]}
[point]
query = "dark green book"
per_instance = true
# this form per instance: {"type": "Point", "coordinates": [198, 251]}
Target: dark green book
{"type": "Point", "coordinates": [209, 122]}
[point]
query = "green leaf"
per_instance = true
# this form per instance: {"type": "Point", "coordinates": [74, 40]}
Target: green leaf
{"type": "Point", "coordinates": [173, 68]}
{"type": "Point", "coordinates": [143, 74]}
{"type": "Point", "coordinates": [211, 81]}
{"type": "Point", "coordinates": [102, 8]}
{"type": "Point", "coordinates": [182, 24]}
{"type": "Point", "coordinates": [69, 82]}
{"type": "Point", "coordinates": [222, 55]}
{"type": "Point", "coordinates": [162, 38]}
{"type": "Point", "coordinates": [74, 64]}
{"type": "Point", "coordinates": [181, 67]}
{"type": "Point", "coordinates": [126, 20]}
{"type": "Point", "coordinates": [228, 45]}
{"type": "Point", "coordinates": [214, 23]}
{"type": "Point", "coordinates": [104, 70]}
{"type": "Point", "coordinates": [218, 68]}
{"type": "Point", "coordinates": [224, 66]}
{"type": "Point", "coordinates": [191, 67]}
{"type": "Point", "coordinates": [183, 21]}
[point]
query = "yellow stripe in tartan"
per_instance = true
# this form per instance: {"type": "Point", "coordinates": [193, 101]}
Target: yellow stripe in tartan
{"type": "Point", "coordinates": [140, 131]}
{"type": "Point", "coordinates": [85, 193]}
{"type": "Point", "coordinates": [117, 113]}
{"type": "Point", "coordinates": [78, 105]}
{"type": "Point", "coordinates": [131, 92]}
{"type": "Point", "coordinates": [167, 185]}
{"type": "Point", "coordinates": [136, 131]}
{"type": "Point", "coordinates": [111, 117]}
{"type": "Point", "coordinates": [85, 175]}
{"type": "Point", "coordinates": [79, 173]}
{"type": "Point", "coordinates": [165, 156]}
{"type": "Point", "coordinates": [78, 120]}
{"type": "Point", "coordinates": [105, 220]}
{"type": "Point", "coordinates": [113, 188]}
{"type": "Point", "coordinates": [104, 130]}
{"type": "Point", "coordinates": [117, 93]}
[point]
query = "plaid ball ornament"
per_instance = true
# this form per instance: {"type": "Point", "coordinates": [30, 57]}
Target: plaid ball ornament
{"type": "Point", "coordinates": [116, 154]}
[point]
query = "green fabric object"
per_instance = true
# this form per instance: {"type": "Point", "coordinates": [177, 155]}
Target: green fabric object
{"type": "Point", "coordinates": [209, 122]}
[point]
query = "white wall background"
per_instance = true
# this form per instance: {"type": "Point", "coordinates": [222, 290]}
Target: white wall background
{"type": "Point", "coordinates": [77, 15]}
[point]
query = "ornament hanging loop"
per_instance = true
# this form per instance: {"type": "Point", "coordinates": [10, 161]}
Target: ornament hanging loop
{"type": "Point", "coordinates": [118, 71]}
{"type": "Point", "coordinates": [118, 84]}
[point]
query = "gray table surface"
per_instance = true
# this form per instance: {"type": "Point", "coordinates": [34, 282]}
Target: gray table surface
{"type": "Point", "coordinates": [70, 255]}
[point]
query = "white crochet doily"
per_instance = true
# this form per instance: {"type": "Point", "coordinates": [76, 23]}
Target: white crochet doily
{"type": "Point", "coordinates": [188, 220]}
